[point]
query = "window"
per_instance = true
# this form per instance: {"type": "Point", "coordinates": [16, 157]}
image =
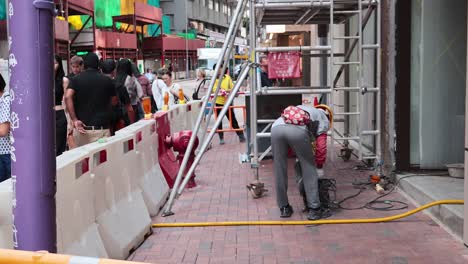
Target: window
{"type": "Point", "coordinates": [216, 7]}
{"type": "Point", "coordinates": [171, 19]}
{"type": "Point", "coordinates": [229, 11]}
{"type": "Point", "coordinates": [225, 8]}
{"type": "Point", "coordinates": [210, 4]}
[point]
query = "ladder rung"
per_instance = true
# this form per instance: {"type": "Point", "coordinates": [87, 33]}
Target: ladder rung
{"type": "Point", "coordinates": [370, 46]}
{"type": "Point", "coordinates": [292, 91]}
{"type": "Point", "coordinates": [372, 89]}
{"type": "Point", "coordinates": [347, 113]}
{"type": "Point", "coordinates": [346, 12]}
{"type": "Point", "coordinates": [266, 121]}
{"type": "Point", "coordinates": [370, 132]}
{"type": "Point", "coordinates": [357, 89]}
{"type": "Point", "coordinates": [293, 48]}
{"type": "Point", "coordinates": [347, 89]}
{"type": "Point", "coordinates": [263, 135]}
{"type": "Point", "coordinates": [347, 138]}
{"type": "Point", "coordinates": [347, 63]}
{"type": "Point", "coordinates": [347, 37]}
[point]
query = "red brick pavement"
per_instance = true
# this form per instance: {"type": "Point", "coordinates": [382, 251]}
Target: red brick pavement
{"type": "Point", "coordinates": [222, 196]}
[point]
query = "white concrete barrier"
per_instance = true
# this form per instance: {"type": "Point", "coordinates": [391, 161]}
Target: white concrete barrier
{"type": "Point", "coordinates": [196, 107]}
{"type": "Point", "coordinates": [178, 118]}
{"type": "Point", "coordinates": [77, 231]}
{"type": "Point", "coordinates": [121, 213]}
{"type": "Point", "coordinates": [106, 191]}
{"type": "Point", "coordinates": [6, 220]}
{"type": "Point", "coordinates": [149, 175]}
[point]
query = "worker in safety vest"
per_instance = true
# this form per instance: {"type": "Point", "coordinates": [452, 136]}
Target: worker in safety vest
{"type": "Point", "coordinates": [297, 128]}
{"type": "Point", "coordinates": [225, 88]}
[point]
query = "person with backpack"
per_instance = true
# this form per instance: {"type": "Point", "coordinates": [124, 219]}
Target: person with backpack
{"type": "Point", "coordinates": [125, 77]}
{"type": "Point", "coordinates": [297, 128]}
{"type": "Point", "coordinates": [120, 111]}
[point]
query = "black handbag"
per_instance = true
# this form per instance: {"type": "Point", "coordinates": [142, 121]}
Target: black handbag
{"type": "Point", "coordinates": [195, 93]}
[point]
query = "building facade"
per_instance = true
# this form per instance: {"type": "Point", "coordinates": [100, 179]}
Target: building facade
{"type": "Point", "coordinates": [209, 19]}
{"type": "Point", "coordinates": [202, 14]}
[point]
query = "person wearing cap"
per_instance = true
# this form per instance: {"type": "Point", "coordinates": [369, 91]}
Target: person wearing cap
{"type": "Point", "coordinates": [226, 86]}
{"type": "Point", "coordinates": [298, 127]}
{"type": "Point", "coordinates": [89, 100]}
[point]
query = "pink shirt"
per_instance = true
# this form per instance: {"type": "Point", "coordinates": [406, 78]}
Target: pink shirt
{"type": "Point", "coordinates": [145, 85]}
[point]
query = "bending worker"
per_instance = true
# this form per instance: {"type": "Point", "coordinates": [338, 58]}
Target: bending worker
{"type": "Point", "coordinates": [297, 128]}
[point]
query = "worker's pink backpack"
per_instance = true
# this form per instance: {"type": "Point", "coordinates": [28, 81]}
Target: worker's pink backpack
{"type": "Point", "coordinates": [295, 116]}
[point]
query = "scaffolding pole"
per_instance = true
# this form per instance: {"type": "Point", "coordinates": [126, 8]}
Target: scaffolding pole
{"type": "Point", "coordinates": [219, 120]}
{"type": "Point", "coordinates": [168, 210]}
{"type": "Point", "coordinates": [253, 89]}
{"type": "Point", "coordinates": [305, 9]}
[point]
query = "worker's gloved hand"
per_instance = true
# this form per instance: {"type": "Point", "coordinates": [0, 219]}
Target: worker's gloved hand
{"type": "Point", "coordinates": [320, 173]}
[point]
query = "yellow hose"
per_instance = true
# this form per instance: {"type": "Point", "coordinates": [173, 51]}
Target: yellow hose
{"type": "Point", "coordinates": [317, 222]}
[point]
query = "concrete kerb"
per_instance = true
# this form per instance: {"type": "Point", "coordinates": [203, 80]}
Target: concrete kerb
{"type": "Point", "coordinates": [425, 189]}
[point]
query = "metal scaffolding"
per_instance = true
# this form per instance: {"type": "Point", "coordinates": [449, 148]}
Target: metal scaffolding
{"type": "Point", "coordinates": [332, 12]}
{"type": "Point", "coordinates": [270, 12]}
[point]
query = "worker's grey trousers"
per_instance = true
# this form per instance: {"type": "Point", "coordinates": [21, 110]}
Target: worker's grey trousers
{"type": "Point", "coordinates": [299, 139]}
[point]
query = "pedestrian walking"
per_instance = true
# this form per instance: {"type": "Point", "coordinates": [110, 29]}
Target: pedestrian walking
{"type": "Point", "coordinates": [200, 87]}
{"type": "Point", "coordinates": [226, 86]}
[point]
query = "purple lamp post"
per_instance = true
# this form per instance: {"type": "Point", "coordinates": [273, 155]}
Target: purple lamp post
{"type": "Point", "coordinates": [30, 36]}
